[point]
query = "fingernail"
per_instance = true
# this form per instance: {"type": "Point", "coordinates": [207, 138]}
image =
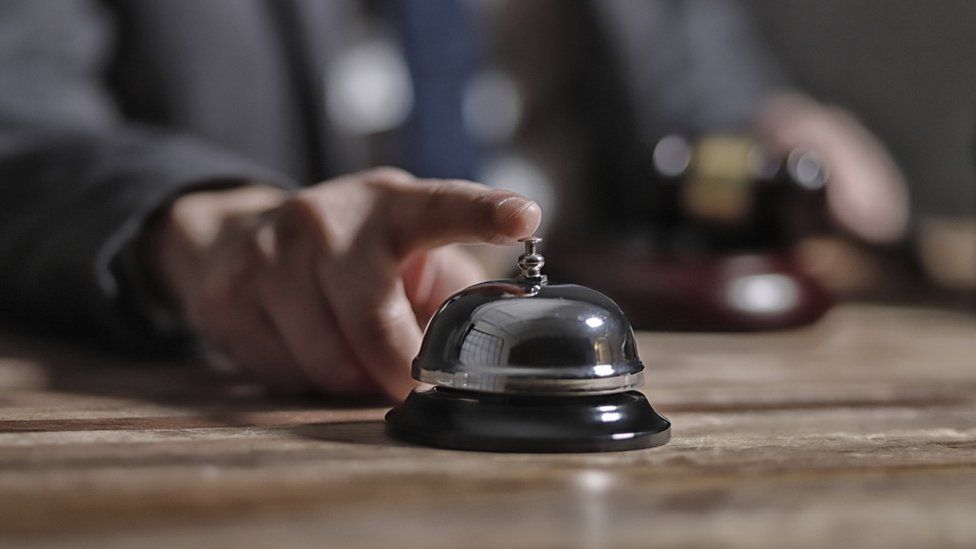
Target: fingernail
{"type": "Point", "coordinates": [517, 216]}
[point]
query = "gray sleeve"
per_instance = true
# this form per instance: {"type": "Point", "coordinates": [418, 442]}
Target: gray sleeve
{"type": "Point", "coordinates": [690, 65]}
{"type": "Point", "coordinates": [78, 181]}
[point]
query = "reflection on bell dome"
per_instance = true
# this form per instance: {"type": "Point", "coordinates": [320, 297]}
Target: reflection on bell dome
{"type": "Point", "coordinates": [519, 332]}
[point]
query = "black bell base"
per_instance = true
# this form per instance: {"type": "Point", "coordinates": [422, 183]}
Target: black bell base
{"type": "Point", "coordinates": [462, 420]}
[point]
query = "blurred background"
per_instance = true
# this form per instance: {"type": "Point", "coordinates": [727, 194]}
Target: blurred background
{"type": "Point", "coordinates": [879, 93]}
{"type": "Point", "coordinates": [731, 165]}
{"type": "Point", "coordinates": [907, 69]}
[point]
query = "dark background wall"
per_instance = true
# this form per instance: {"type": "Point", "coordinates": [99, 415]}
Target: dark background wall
{"type": "Point", "coordinates": [906, 67]}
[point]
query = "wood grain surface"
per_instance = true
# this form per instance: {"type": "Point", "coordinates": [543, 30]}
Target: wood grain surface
{"type": "Point", "coordinates": [857, 432]}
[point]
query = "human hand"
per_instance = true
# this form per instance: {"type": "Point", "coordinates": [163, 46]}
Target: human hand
{"type": "Point", "coordinates": [867, 194]}
{"type": "Point", "coordinates": [324, 289]}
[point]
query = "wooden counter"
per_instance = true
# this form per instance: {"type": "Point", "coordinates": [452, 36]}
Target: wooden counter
{"type": "Point", "coordinates": [859, 431]}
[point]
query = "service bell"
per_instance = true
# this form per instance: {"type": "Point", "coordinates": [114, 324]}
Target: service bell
{"type": "Point", "coordinates": [522, 365]}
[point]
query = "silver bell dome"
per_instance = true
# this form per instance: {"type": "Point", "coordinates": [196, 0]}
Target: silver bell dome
{"type": "Point", "coordinates": [526, 336]}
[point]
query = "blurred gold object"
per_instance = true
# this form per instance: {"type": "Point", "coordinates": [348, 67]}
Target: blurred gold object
{"type": "Point", "coordinates": [720, 184]}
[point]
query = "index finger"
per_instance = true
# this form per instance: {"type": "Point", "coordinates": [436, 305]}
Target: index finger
{"type": "Point", "coordinates": [425, 214]}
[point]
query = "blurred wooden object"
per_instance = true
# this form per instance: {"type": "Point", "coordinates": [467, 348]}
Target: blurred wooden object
{"type": "Point", "coordinates": [705, 243]}
{"type": "Point", "coordinates": [858, 431]}
{"type": "Point", "coordinates": [722, 292]}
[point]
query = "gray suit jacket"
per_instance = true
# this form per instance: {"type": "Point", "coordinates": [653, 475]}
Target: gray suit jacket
{"type": "Point", "coordinates": [109, 109]}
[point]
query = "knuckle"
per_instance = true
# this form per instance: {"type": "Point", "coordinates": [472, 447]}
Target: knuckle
{"type": "Point", "coordinates": [302, 219]}
{"type": "Point", "coordinates": [299, 210]}
{"type": "Point", "coordinates": [261, 248]}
